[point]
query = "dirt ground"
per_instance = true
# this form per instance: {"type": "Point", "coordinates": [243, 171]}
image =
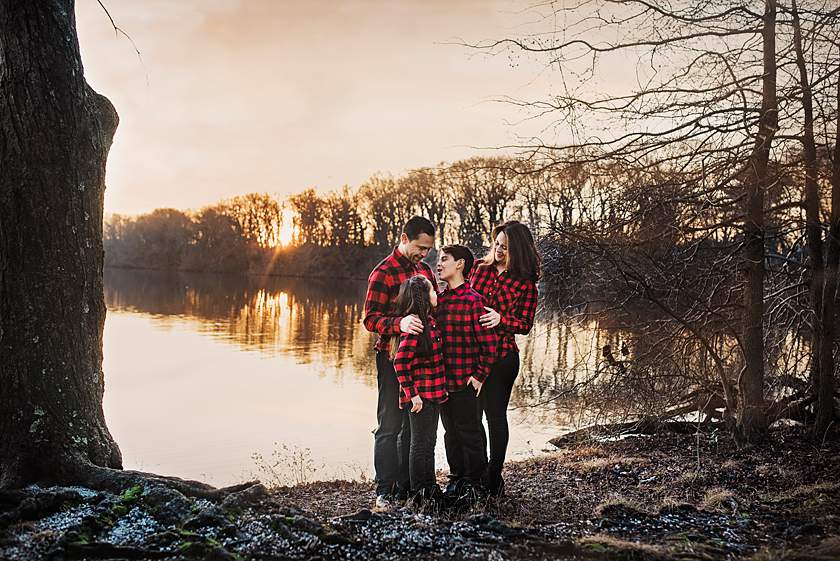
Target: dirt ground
{"type": "Point", "coordinates": [668, 497]}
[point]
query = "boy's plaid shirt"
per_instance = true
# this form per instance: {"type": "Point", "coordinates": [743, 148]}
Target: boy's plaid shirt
{"type": "Point", "coordinates": [419, 374]}
{"type": "Point", "coordinates": [514, 299]}
{"type": "Point", "coordinates": [383, 287]}
{"type": "Point", "coordinates": [468, 348]}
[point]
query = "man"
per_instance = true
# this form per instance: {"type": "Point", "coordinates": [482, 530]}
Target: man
{"type": "Point", "coordinates": [393, 435]}
{"type": "Point", "coordinates": [469, 350]}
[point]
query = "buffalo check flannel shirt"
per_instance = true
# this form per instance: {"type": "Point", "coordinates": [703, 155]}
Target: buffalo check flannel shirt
{"type": "Point", "coordinates": [514, 299]}
{"type": "Point", "coordinates": [422, 375]}
{"type": "Point", "coordinates": [468, 348]}
{"type": "Point", "coordinates": [383, 287]}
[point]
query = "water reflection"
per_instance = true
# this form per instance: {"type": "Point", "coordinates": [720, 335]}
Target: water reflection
{"type": "Point", "coordinates": [203, 370]}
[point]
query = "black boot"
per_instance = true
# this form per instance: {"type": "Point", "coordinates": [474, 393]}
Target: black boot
{"type": "Point", "coordinates": [494, 484]}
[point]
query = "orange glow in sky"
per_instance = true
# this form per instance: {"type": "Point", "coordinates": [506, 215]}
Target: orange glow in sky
{"type": "Point", "coordinates": [238, 96]}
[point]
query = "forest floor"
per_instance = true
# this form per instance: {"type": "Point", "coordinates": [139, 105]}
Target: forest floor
{"type": "Point", "coordinates": [663, 497]}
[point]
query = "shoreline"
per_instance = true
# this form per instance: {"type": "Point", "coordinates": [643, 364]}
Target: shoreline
{"type": "Point", "coordinates": [666, 497]}
{"type": "Point", "coordinates": [235, 273]}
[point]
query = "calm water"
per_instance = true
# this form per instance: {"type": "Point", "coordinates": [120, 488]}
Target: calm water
{"type": "Point", "coordinates": [204, 371]}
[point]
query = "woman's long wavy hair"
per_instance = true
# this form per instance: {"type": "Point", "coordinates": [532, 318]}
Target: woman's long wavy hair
{"type": "Point", "coordinates": [523, 259]}
{"type": "Point", "coordinates": [413, 298]}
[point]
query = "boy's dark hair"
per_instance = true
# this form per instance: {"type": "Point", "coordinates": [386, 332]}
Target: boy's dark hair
{"type": "Point", "coordinates": [417, 225]}
{"type": "Point", "coordinates": [460, 252]}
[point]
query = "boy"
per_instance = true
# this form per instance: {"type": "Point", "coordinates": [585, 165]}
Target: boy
{"type": "Point", "coordinates": [468, 350]}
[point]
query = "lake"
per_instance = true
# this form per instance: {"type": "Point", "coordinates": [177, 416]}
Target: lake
{"type": "Point", "coordinates": [211, 377]}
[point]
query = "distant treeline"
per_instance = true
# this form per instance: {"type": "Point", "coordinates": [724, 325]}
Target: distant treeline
{"type": "Point", "coordinates": [345, 232]}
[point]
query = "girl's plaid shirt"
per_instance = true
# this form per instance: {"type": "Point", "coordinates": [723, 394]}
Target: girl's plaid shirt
{"type": "Point", "coordinates": [468, 348]}
{"type": "Point", "coordinates": [514, 299]}
{"type": "Point", "coordinates": [383, 287]}
{"type": "Point", "coordinates": [422, 375]}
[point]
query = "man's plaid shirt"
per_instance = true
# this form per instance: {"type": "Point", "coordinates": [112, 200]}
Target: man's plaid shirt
{"type": "Point", "coordinates": [422, 375]}
{"type": "Point", "coordinates": [514, 299]}
{"type": "Point", "coordinates": [468, 348]}
{"type": "Point", "coordinates": [383, 287]}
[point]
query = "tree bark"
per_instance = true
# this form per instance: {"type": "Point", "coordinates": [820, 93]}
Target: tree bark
{"type": "Point", "coordinates": [822, 329]}
{"type": "Point", "coordinates": [752, 419]}
{"type": "Point", "coordinates": [825, 394]}
{"type": "Point", "coordinates": [55, 133]}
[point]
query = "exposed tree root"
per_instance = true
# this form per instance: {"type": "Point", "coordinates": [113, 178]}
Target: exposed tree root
{"type": "Point", "coordinates": [33, 503]}
{"type": "Point", "coordinates": [648, 425]}
{"type": "Point", "coordinates": [116, 481]}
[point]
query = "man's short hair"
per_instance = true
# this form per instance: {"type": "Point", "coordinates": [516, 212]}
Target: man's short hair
{"type": "Point", "coordinates": [460, 252]}
{"type": "Point", "coordinates": [417, 225]}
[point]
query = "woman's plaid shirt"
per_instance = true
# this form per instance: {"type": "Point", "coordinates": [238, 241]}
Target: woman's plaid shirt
{"type": "Point", "coordinates": [514, 299]}
{"type": "Point", "coordinates": [468, 348]}
{"type": "Point", "coordinates": [419, 374]}
{"type": "Point", "coordinates": [383, 287]}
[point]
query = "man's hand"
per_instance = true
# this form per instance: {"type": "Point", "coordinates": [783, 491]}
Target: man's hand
{"type": "Point", "coordinates": [411, 324]}
{"type": "Point", "coordinates": [416, 404]}
{"type": "Point", "coordinates": [491, 319]}
{"type": "Point", "coordinates": [475, 384]}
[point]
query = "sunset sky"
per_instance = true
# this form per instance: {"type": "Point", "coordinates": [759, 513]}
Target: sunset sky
{"type": "Point", "coordinates": [235, 96]}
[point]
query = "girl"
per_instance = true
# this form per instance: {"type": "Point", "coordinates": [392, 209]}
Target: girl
{"type": "Point", "coordinates": [507, 280]}
{"type": "Point", "coordinates": [418, 362]}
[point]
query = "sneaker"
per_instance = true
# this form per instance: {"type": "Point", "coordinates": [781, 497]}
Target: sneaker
{"type": "Point", "coordinates": [384, 503]}
{"type": "Point", "coordinates": [453, 488]}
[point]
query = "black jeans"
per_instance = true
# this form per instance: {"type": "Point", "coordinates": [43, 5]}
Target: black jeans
{"type": "Point", "coordinates": [421, 458]}
{"type": "Point", "coordinates": [392, 437]}
{"type": "Point", "coordinates": [464, 436]}
{"type": "Point", "coordinates": [494, 399]}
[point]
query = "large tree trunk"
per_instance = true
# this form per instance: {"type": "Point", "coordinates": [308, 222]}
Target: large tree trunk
{"type": "Point", "coordinates": [822, 338]}
{"type": "Point", "coordinates": [825, 394]}
{"type": "Point", "coordinates": [55, 136]}
{"type": "Point", "coordinates": [752, 418]}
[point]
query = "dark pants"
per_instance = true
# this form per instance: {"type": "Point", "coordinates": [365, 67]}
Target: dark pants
{"type": "Point", "coordinates": [464, 436]}
{"type": "Point", "coordinates": [421, 458]}
{"type": "Point", "coordinates": [392, 437]}
{"type": "Point", "coordinates": [494, 399]}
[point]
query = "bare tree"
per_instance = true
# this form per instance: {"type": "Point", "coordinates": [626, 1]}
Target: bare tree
{"type": "Point", "coordinates": [433, 198]}
{"type": "Point", "coordinates": [309, 211]}
{"type": "Point", "coordinates": [260, 217]}
{"type": "Point", "coordinates": [387, 207]}
{"type": "Point", "coordinates": [705, 114]}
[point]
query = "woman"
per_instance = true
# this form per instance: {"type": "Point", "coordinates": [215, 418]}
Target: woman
{"type": "Point", "coordinates": [418, 362]}
{"type": "Point", "coordinates": [507, 280]}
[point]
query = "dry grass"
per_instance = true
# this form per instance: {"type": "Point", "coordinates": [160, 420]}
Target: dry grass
{"type": "Point", "coordinates": [801, 491]}
{"type": "Point", "coordinates": [670, 502]}
{"type": "Point", "coordinates": [730, 465]}
{"type": "Point", "coordinates": [619, 501]}
{"type": "Point", "coordinates": [621, 549]}
{"type": "Point", "coordinates": [716, 498]}
{"type": "Point", "coordinates": [608, 462]}
{"type": "Point", "coordinates": [691, 478]}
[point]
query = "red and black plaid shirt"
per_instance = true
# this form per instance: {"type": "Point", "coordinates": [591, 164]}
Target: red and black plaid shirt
{"type": "Point", "coordinates": [468, 348]}
{"type": "Point", "coordinates": [514, 299]}
{"type": "Point", "coordinates": [383, 287]}
{"type": "Point", "coordinates": [422, 375]}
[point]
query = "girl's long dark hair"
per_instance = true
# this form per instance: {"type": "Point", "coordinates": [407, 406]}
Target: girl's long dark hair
{"type": "Point", "coordinates": [523, 259]}
{"type": "Point", "coordinates": [413, 298]}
